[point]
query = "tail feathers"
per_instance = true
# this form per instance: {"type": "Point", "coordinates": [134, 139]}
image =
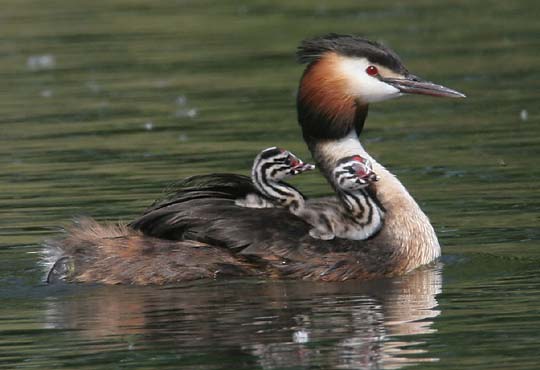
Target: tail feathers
{"type": "Point", "coordinates": [221, 186]}
{"type": "Point", "coordinates": [190, 206]}
{"type": "Point", "coordinates": [117, 254]}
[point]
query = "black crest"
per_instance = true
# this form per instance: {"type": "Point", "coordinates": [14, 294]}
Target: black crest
{"type": "Point", "coordinates": [311, 50]}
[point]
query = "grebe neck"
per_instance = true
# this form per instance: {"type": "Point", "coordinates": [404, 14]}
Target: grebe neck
{"type": "Point", "coordinates": [327, 152]}
{"type": "Point", "coordinates": [278, 192]}
{"type": "Point", "coordinates": [406, 227]}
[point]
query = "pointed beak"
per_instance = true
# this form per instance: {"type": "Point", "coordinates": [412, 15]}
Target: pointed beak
{"type": "Point", "coordinates": [412, 84]}
{"type": "Point", "coordinates": [302, 167]}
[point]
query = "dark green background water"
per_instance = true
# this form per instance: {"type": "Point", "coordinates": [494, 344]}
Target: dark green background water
{"type": "Point", "coordinates": [104, 103]}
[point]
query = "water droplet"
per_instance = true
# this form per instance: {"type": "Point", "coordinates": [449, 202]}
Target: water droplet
{"type": "Point", "coordinates": [300, 336]}
{"type": "Point", "coordinates": [93, 86]}
{"type": "Point", "coordinates": [47, 93]}
{"type": "Point", "coordinates": [40, 62]}
{"type": "Point", "coordinates": [183, 113]}
{"type": "Point", "coordinates": [181, 100]}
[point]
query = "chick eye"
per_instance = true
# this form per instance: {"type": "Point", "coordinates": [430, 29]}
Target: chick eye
{"type": "Point", "coordinates": [372, 71]}
{"type": "Point", "coordinates": [293, 162]}
{"type": "Point", "coordinates": [362, 171]}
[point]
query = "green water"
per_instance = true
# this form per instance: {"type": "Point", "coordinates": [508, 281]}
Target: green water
{"type": "Point", "coordinates": [104, 103]}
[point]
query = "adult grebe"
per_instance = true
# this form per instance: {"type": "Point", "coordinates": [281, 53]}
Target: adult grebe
{"type": "Point", "coordinates": [198, 231]}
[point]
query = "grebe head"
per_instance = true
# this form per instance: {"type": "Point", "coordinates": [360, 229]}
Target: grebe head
{"type": "Point", "coordinates": [354, 173]}
{"type": "Point", "coordinates": [347, 72]}
{"type": "Point", "coordinates": [270, 167]}
{"type": "Point", "coordinates": [276, 164]}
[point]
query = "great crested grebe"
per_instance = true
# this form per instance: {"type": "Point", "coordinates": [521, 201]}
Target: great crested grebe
{"type": "Point", "coordinates": [361, 216]}
{"type": "Point", "coordinates": [270, 167]}
{"type": "Point", "coordinates": [198, 231]}
{"type": "Point", "coordinates": [356, 217]}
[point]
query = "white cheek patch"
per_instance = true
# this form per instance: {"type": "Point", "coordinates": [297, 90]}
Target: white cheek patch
{"type": "Point", "coordinates": [367, 88]}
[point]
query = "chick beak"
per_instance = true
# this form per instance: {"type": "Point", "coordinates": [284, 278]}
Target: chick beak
{"type": "Point", "coordinates": [302, 167]}
{"type": "Point", "coordinates": [411, 84]}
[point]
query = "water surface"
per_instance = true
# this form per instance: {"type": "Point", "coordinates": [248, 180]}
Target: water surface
{"type": "Point", "coordinates": [105, 103]}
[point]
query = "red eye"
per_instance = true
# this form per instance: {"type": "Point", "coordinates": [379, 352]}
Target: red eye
{"type": "Point", "coordinates": [293, 162]}
{"type": "Point", "coordinates": [362, 171]}
{"type": "Point", "coordinates": [372, 71]}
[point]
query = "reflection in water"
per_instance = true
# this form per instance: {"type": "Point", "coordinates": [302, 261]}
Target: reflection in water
{"type": "Point", "coordinates": [276, 324]}
{"type": "Point", "coordinates": [84, 80]}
